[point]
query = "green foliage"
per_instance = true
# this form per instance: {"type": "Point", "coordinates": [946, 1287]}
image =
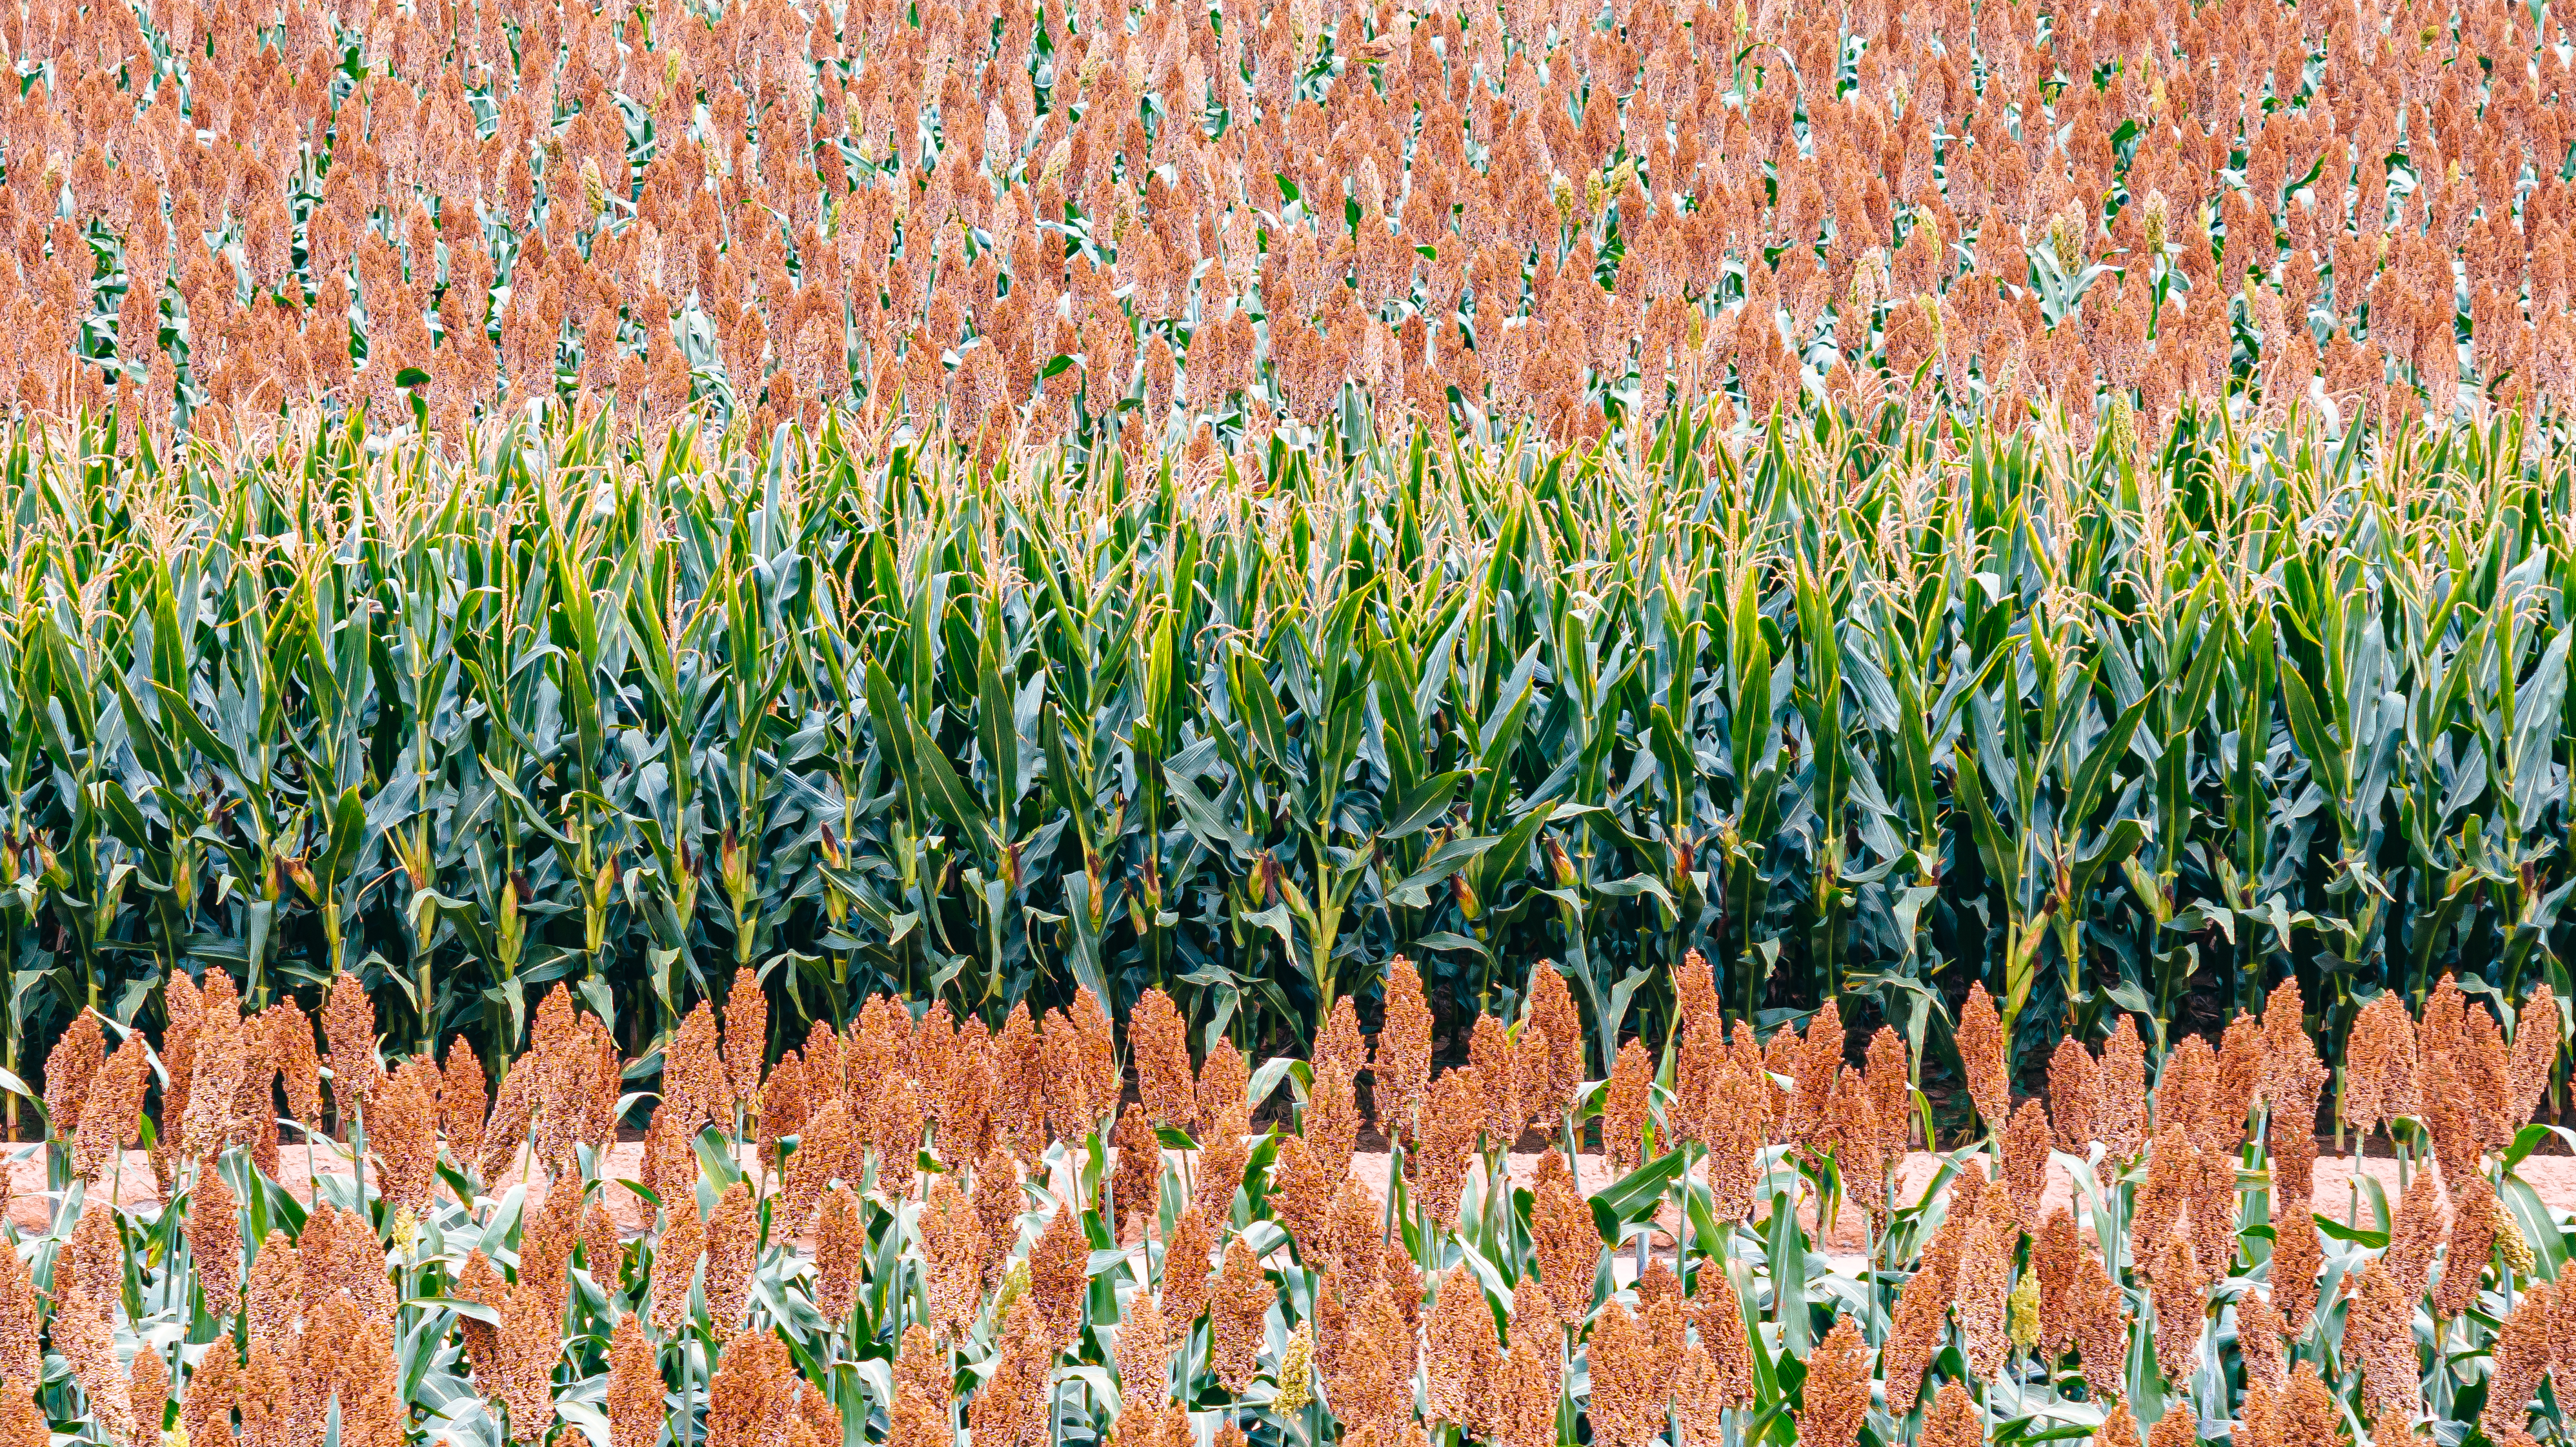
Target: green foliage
{"type": "Point", "coordinates": [1867, 713]}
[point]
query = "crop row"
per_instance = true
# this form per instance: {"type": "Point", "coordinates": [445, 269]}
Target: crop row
{"type": "Point", "coordinates": [1210, 217]}
{"type": "Point", "coordinates": [1859, 716]}
{"type": "Point", "coordinates": [912, 1227]}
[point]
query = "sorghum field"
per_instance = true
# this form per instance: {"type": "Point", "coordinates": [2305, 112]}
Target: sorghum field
{"type": "Point", "coordinates": [739, 726]}
{"type": "Point", "coordinates": [910, 1227]}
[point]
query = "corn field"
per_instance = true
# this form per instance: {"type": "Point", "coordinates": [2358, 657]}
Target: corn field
{"type": "Point", "coordinates": [911, 1227]}
{"type": "Point", "coordinates": [1859, 717]}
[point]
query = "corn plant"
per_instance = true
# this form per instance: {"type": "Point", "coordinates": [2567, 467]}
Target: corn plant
{"type": "Point", "coordinates": [1859, 718]}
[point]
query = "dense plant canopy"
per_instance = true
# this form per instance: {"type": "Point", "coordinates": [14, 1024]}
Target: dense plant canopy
{"type": "Point", "coordinates": [1176, 218]}
{"type": "Point", "coordinates": [829, 586]}
{"type": "Point", "coordinates": [910, 1227]}
{"type": "Point", "coordinates": [1858, 716]}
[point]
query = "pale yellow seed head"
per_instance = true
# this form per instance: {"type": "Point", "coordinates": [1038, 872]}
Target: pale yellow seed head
{"type": "Point", "coordinates": [1296, 1369]}
{"type": "Point", "coordinates": [2064, 240]}
{"type": "Point", "coordinates": [2022, 1313]}
{"type": "Point", "coordinates": [2512, 1246]}
{"type": "Point", "coordinates": [1015, 1284]}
